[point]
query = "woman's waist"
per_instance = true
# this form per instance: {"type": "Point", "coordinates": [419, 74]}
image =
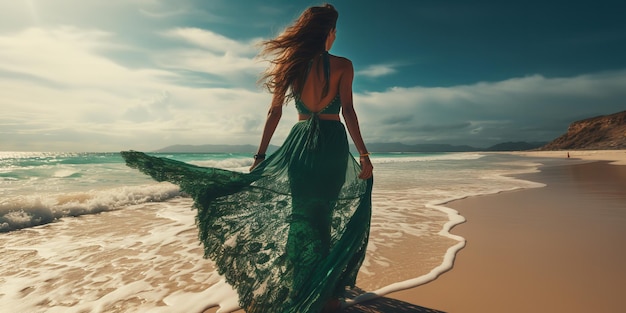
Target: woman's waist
{"type": "Point", "coordinates": [324, 117]}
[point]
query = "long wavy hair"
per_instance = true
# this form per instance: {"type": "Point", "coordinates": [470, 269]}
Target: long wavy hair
{"type": "Point", "coordinates": [292, 50]}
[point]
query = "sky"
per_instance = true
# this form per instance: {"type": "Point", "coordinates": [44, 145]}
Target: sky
{"type": "Point", "coordinates": [110, 75]}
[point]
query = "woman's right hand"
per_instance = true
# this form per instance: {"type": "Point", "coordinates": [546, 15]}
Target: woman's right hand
{"type": "Point", "coordinates": [256, 162]}
{"type": "Point", "coordinates": [366, 167]}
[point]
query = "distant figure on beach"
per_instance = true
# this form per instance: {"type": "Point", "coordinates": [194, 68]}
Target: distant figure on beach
{"type": "Point", "coordinates": [291, 235]}
{"type": "Point", "coordinates": [568, 155]}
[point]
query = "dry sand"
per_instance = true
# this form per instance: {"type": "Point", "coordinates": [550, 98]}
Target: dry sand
{"type": "Point", "coordinates": [617, 157]}
{"type": "Point", "coordinates": [559, 248]}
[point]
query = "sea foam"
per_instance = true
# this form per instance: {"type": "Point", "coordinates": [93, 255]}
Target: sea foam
{"type": "Point", "coordinates": [30, 210]}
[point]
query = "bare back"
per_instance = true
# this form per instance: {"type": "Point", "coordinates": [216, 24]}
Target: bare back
{"type": "Point", "coordinates": [312, 92]}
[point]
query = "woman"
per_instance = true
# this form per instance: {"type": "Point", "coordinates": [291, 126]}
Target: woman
{"type": "Point", "coordinates": [290, 235]}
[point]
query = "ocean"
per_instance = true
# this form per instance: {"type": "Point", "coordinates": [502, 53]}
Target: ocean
{"type": "Point", "coordinates": [82, 232]}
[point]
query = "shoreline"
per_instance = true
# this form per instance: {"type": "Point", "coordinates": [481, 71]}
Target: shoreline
{"type": "Point", "coordinates": [434, 259]}
{"type": "Point", "coordinates": [614, 157]}
{"type": "Point", "coordinates": [465, 289]}
{"type": "Point", "coordinates": [455, 218]}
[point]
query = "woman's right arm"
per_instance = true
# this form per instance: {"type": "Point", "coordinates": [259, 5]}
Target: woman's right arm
{"type": "Point", "coordinates": [273, 117]}
{"type": "Point", "coordinates": [352, 122]}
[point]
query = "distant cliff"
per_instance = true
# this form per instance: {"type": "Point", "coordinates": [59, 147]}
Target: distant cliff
{"type": "Point", "coordinates": [607, 132]}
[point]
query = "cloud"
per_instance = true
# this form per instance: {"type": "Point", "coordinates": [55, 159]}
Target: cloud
{"type": "Point", "coordinates": [212, 41]}
{"type": "Point", "coordinates": [213, 54]}
{"type": "Point", "coordinates": [397, 119]}
{"type": "Point", "coordinates": [69, 56]}
{"type": "Point", "coordinates": [533, 108]}
{"type": "Point", "coordinates": [377, 70]}
{"type": "Point", "coordinates": [59, 90]}
{"type": "Point", "coordinates": [161, 9]}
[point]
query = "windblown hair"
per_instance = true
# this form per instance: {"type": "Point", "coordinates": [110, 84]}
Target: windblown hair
{"type": "Point", "coordinates": [294, 48]}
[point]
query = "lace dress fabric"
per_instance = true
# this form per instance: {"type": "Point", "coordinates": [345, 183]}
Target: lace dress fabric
{"type": "Point", "coordinates": [292, 233]}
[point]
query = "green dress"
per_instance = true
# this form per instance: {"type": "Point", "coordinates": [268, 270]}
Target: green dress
{"type": "Point", "coordinates": [292, 233]}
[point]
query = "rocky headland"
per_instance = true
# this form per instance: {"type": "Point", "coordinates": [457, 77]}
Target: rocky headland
{"type": "Point", "coordinates": [606, 132]}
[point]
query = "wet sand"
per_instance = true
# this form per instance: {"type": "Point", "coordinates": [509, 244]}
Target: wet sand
{"type": "Point", "coordinates": [558, 248]}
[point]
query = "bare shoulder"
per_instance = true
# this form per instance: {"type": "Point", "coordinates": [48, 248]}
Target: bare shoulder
{"type": "Point", "coordinates": [341, 63]}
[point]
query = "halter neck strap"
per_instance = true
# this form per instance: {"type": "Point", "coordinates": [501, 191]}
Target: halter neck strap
{"type": "Point", "coordinates": [326, 61]}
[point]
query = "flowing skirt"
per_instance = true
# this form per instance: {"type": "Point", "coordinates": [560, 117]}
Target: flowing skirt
{"type": "Point", "coordinates": [292, 233]}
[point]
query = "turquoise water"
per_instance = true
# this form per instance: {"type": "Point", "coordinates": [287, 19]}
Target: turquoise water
{"type": "Point", "coordinates": [39, 187]}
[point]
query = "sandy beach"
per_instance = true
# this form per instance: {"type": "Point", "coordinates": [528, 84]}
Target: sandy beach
{"type": "Point", "coordinates": [557, 248]}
